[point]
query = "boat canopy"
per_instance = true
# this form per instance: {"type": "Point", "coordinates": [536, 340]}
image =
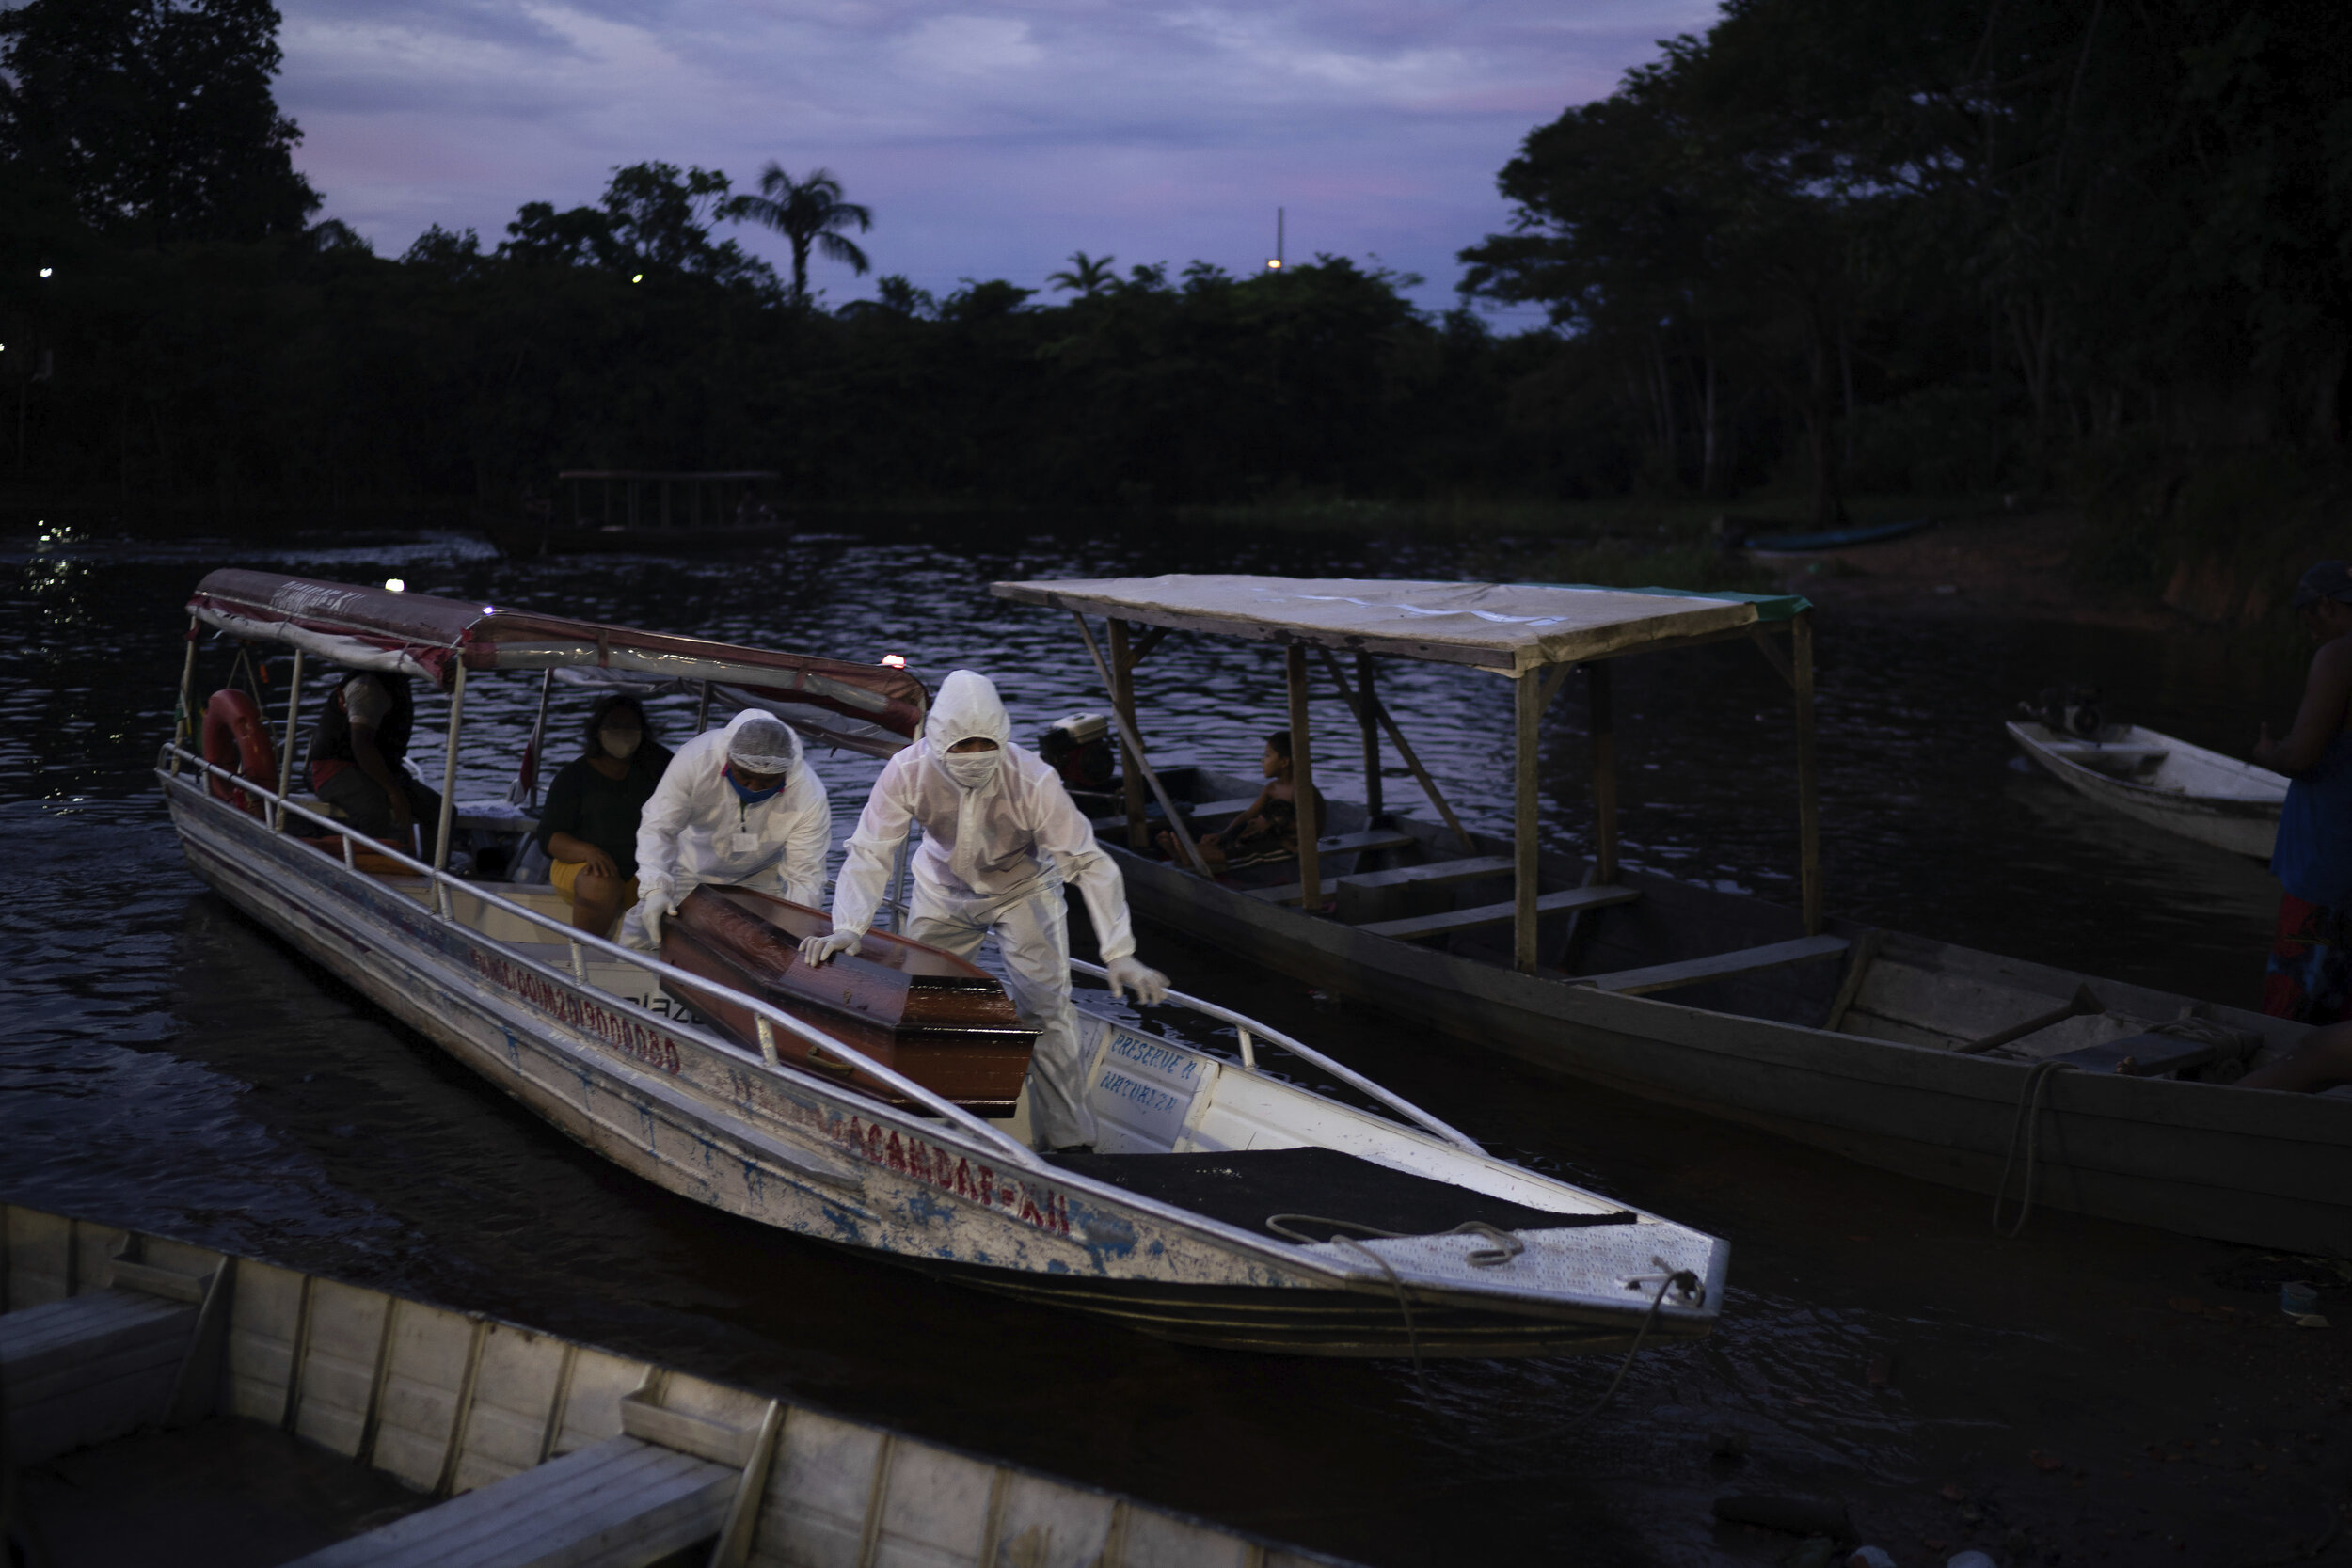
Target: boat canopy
{"type": "Point", "coordinates": [871, 708]}
{"type": "Point", "coordinates": [1506, 627]}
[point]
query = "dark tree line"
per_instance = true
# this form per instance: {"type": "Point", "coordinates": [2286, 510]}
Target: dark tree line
{"type": "Point", "coordinates": [1957, 237]}
{"type": "Point", "coordinates": [1836, 245]}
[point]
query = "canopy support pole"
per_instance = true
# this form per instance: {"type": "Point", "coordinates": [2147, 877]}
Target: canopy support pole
{"type": "Point", "coordinates": [898, 886]}
{"type": "Point", "coordinates": [1135, 749]}
{"type": "Point", "coordinates": [1598, 694]}
{"type": "Point", "coordinates": [285, 752]}
{"type": "Point", "coordinates": [1303, 781]}
{"type": "Point", "coordinates": [186, 730]}
{"type": "Point", "coordinates": [1403, 748]}
{"type": "Point", "coordinates": [1123, 698]}
{"type": "Point", "coordinates": [1808, 792]}
{"type": "Point", "coordinates": [448, 771]}
{"type": "Point", "coordinates": [702, 710]}
{"type": "Point", "coordinates": [1371, 728]}
{"type": "Point", "coordinates": [1527, 699]}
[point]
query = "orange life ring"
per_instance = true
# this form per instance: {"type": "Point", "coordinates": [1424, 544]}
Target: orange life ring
{"type": "Point", "coordinates": [236, 732]}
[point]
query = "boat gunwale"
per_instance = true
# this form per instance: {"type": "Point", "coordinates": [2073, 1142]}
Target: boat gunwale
{"type": "Point", "coordinates": [2180, 802]}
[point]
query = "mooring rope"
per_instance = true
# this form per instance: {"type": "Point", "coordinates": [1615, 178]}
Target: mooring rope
{"type": "Point", "coordinates": [2028, 1126]}
{"type": "Point", "coordinates": [1505, 1247]}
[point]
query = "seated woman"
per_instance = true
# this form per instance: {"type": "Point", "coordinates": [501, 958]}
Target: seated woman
{"type": "Point", "coordinates": [1268, 831]}
{"type": "Point", "coordinates": [589, 825]}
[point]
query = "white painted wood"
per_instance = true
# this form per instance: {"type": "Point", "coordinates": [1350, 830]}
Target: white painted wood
{"type": "Point", "coordinates": [337, 1386]}
{"type": "Point", "coordinates": [1420, 926]}
{"type": "Point", "coordinates": [1047, 1524]}
{"type": "Point", "coordinates": [934, 1511]}
{"type": "Point", "coordinates": [87, 1369]}
{"type": "Point", "coordinates": [819, 1494]}
{"type": "Point", "coordinates": [1154, 1540]}
{"type": "Point", "coordinates": [1715, 966]}
{"type": "Point", "coordinates": [513, 1394]}
{"type": "Point", "coordinates": [621, 1504]}
{"type": "Point", "coordinates": [418, 1407]}
{"type": "Point", "coordinates": [2168, 783]}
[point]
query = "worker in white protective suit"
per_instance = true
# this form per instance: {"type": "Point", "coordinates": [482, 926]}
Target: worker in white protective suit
{"type": "Point", "coordinates": [1000, 837]}
{"type": "Point", "coordinates": [738, 806]}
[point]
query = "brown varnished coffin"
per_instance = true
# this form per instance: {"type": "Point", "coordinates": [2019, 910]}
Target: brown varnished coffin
{"type": "Point", "coordinates": [935, 1018]}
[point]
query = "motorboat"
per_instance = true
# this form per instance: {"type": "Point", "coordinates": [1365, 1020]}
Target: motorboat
{"type": "Point", "coordinates": [1223, 1203]}
{"type": "Point", "coordinates": [1997, 1074]}
{"type": "Point", "coordinates": [2166, 783]}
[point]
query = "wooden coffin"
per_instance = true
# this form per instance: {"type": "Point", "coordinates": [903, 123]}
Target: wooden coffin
{"type": "Point", "coordinates": [939, 1019]}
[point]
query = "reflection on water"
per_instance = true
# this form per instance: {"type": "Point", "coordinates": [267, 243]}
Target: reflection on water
{"type": "Point", "coordinates": [167, 1064]}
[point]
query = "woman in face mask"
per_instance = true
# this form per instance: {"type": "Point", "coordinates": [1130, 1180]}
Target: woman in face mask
{"type": "Point", "coordinates": [738, 806]}
{"type": "Point", "coordinates": [1001, 836]}
{"type": "Point", "coordinates": [589, 825]}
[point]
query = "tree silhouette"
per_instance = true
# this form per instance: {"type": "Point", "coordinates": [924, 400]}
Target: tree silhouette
{"type": "Point", "coordinates": [1087, 275]}
{"type": "Point", "coordinates": [808, 214]}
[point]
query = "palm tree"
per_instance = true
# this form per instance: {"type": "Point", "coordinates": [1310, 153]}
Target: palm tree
{"type": "Point", "coordinates": [807, 212]}
{"type": "Point", "coordinates": [1088, 276]}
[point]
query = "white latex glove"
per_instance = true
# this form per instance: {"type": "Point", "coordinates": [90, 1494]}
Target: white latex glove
{"type": "Point", "coordinates": [654, 908]}
{"type": "Point", "coordinates": [815, 950]}
{"type": "Point", "coordinates": [1126, 974]}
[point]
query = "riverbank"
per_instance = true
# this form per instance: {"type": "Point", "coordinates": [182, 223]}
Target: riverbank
{"type": "Point", "coordinates": [2014, 565]}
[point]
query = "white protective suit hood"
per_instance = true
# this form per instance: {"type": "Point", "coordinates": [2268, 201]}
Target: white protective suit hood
{"type": "Point", "coordinates": [968, 708]}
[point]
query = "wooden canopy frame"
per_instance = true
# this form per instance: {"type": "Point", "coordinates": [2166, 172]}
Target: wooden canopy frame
{"type": "Point", "coordinates": [1138, 621]}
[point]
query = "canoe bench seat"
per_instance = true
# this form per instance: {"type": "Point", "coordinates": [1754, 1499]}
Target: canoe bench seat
{"type": "Point", "coordinates": [1369, 896]}
{"type": "Point", "coordinates": [1338, 844]}
{"type": "Point", "coordinates": [1195, 812]}
{"type": "Point", "coordinates": [622, 1503]}
{"type": "Point", "coordinates": [89, 1368]}
{"type": "Point", "coordinates": [1421, 926]}
{"type": "Point", "coordinates": [1715, 966]}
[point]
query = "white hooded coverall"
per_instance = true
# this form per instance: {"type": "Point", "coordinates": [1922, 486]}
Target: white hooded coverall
{"type": "Point", "coordinates": [994, 861]}
{"type": "Point", "coordinates": [696, 829]}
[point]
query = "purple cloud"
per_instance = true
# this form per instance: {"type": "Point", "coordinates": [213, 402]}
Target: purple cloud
{"type": "Point", "coordinates": [992, 139]}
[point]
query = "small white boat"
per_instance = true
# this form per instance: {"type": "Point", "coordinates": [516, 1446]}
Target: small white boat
{"type": "Point", "coordinates": [349, 1427]}
{"type": "Point", "coordinates": [1221, 1206]}
{"type": "Point", "coordinates": [2165, 782]}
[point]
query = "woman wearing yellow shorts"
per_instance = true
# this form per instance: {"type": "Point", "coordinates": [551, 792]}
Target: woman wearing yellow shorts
{"type": "Point", "coordinates": [589, 826]}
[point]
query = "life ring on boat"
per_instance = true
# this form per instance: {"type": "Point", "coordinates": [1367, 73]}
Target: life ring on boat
{"type": "Point", "coordinates": [234, 733]}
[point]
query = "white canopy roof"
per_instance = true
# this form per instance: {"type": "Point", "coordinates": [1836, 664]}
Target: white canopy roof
{"type": "Point", "coordinates": [1509, 627]}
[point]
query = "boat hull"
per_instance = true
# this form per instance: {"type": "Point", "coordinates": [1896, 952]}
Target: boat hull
{"type": "Point", "coordinates": [2241, 825]}
{"type": "Point", "coordinates": [2263, 1167]}
{"type": "Point", "coordinates": [700, 1118]}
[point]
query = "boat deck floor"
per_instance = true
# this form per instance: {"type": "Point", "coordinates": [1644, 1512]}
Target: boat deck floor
{"type": "Point", "coordinates": [1246, 1187]}
{"type": "Point", "coordinates": [223, 1494]}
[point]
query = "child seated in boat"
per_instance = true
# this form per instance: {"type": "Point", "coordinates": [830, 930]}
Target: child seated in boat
{"type": "Point", "coordinates": [356, 749]}
{"type": "Point", "coordinates": [589, 826]}
{"type": "Point", "coordinates": [1269, 829]}
{"type": "Point", "coordinates": [2310, 978]}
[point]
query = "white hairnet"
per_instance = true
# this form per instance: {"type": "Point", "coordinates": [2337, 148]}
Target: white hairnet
{"type": "Point", "coordinates": [762, 742]}
{"type": "Point", "coordinates": [967, 708]}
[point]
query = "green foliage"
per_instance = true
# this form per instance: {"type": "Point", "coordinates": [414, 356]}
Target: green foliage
{"type": "Point", "coordinates": [154, 116]}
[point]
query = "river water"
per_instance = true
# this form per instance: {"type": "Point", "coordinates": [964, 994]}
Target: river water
{"type": "Point", "coordinates": [166, 1064]}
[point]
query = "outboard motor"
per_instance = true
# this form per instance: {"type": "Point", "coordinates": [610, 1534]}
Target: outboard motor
{"type": "Point", "coordinates": [1078, 748]}
{"type": "Point", "coordinates": [2070, 710]}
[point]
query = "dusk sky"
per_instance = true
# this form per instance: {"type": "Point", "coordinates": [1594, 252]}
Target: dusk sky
{"type": "Point", "coordinates": [991, 141]}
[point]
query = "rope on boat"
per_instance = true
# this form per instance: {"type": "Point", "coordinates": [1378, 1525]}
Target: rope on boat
{"type": "Point", "coordinates": [1681, 1279]}
{"type": "Point", "coordinates": [1505, 1246]}
{"type": "Point", "coordinates": [2028, 1126]}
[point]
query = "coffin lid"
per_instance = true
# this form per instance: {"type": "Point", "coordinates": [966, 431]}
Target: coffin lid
{"type": "Point", "coordinates": [879, 708]}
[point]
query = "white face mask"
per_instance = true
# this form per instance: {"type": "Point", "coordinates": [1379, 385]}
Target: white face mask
{"type": "Point", "coordinates": [971, 770]}
{"type": "Point", "coordinates": [620, 743]}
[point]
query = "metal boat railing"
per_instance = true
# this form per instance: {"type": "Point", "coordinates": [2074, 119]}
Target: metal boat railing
{"type": "Point", "coordinates": [1248, 1027]}
{"type": "Point", "coordinates": [767, 1015]}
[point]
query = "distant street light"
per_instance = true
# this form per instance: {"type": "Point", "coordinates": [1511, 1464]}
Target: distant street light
{"type": "Point", "coordinates": [1274, 264]}
{"type": "Point", "coordinates": [638, 279]}
{"type": "Point", "coordinates": [46, 271]}
{"type": "Point", "coordinates": [396, 585]}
